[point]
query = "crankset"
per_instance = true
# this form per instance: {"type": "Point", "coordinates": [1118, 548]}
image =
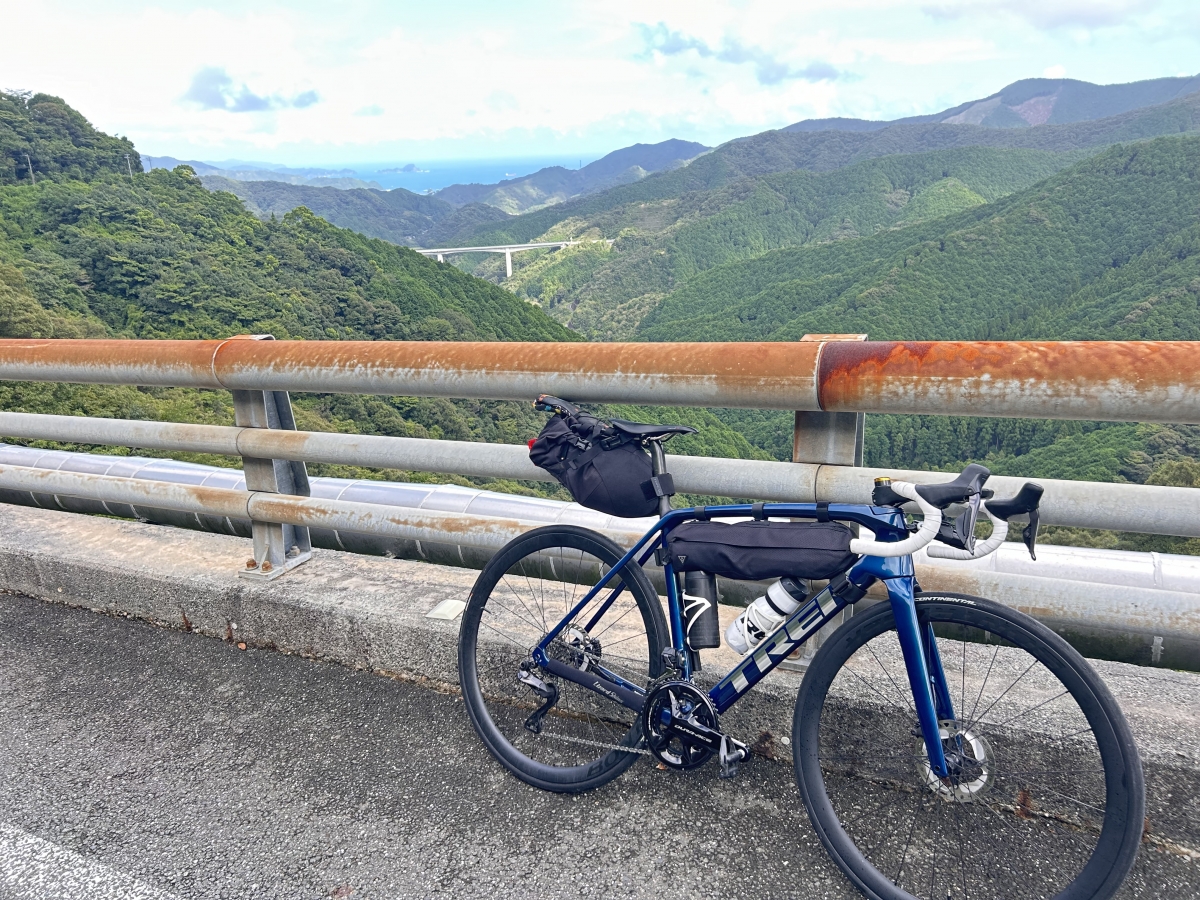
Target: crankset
{"type": "Point", "coordinates": [682, 731]}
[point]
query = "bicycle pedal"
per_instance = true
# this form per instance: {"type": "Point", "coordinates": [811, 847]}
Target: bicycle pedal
{"type": "Point", "coordinates": [730, 755]}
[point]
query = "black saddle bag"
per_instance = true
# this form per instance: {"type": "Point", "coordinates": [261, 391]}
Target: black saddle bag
{"type": "Point", "coordinates": [757, 551]}
{"type": "Point", "coordinates": [603, 468]}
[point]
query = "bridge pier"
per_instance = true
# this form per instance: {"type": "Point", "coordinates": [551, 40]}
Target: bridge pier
{"type": "Point", "coordinates": [508, 263]}
{"type": "Point", "coordinates": [441, 258]}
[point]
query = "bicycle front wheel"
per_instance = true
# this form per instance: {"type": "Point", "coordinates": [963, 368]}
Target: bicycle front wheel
{"type": "Point", "coordinates": [1045, 796]}
{"type": "Point", "coordinates": [583, 739]}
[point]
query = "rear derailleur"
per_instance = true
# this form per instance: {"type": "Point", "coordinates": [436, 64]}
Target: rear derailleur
{"type": "Point", "coordinates": [548, 691]}
{"type": "Point", "coordinates": [682, 731]}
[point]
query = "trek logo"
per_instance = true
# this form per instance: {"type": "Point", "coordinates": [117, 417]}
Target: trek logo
{"type": "Point", "coordinates": [794, 631]}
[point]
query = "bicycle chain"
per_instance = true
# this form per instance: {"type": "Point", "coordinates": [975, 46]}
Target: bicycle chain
{"type": "Point", "coordinates": [575, 740]}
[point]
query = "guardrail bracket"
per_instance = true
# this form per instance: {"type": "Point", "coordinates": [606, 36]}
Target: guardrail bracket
{"type": "Point", "coordinates": [277, 548]}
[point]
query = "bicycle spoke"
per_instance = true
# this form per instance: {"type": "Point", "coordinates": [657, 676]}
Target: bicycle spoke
{"type": "Point", "coordinates": [1026, 781]}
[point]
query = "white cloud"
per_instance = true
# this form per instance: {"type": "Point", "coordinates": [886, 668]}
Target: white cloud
{"type": "Point", "coordinates": [210, 79]}
{"type": "Point", "coordinates": [212, 88]}
{"type": "Point", "coordinates": [1048, 14]}
{"type": "Point", "coordinates": [1055, 72]}
{"type": "Point", "coordinates": [769, 69]}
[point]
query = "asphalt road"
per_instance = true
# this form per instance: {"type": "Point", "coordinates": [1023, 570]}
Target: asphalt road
{"type": "Point", "coordinates": [138, 762]}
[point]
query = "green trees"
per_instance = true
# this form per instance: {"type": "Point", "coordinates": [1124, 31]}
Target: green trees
{"type": "Point", "coordinates": [1104, 249]}
{"type": "Point", "coordinates": [42, 132]}
{"type": "Point", "coordinates": [163, 257]}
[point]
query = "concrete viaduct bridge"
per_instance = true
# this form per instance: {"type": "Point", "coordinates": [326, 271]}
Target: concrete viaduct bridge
{"type": "Point", "coordinates": [507, 249]}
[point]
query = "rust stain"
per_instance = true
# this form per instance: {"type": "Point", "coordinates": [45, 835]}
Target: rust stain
{"type": "Point", "coordinates": [1135, 380]}
{"type": "Point", "coordinates": [1059, 379]}
{"type": "Point", "coordinates": [737, 364]}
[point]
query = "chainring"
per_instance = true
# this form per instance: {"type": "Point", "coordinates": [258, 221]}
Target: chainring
{"type": "Point", "coordinates": [687, 702]}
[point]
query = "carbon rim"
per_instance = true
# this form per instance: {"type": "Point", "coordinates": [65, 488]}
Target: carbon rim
{"type": "Point", "coordinates": [1045, 799]}
{"type": "Point", "coordinates": [584, 739]}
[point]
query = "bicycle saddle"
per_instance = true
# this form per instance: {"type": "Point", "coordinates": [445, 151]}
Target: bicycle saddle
{"type": "Point", "coordinates": [639, 430]}
{"type": "Point", "coordinates": [969, 482]}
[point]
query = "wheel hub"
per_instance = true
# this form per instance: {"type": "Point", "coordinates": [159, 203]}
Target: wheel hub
{"type": "Point", "coordinates": [969, 760]}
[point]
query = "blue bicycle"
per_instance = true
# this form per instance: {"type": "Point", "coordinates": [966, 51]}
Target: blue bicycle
{"type": "Point", "coordinates": [943, 745]}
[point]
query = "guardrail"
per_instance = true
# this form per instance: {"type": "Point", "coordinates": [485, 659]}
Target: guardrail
{"type": "Point", "coordinates": [1148, 509]}
{"type": "Point", "coordinates": [829, 380]}
{"type": "Point", "coordinates": [1134, 381]}
{"type": "Point", "coordinates": [1136, 607]}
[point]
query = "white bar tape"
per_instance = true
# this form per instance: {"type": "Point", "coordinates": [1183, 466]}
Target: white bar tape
{"type": "Point", "coordinates": [926, 533]}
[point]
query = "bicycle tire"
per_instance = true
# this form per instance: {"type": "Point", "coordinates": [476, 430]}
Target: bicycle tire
{"type": "Point", "coordinates": [1040, 811]}
{"type": "Point", "coordinates": [563, 756]}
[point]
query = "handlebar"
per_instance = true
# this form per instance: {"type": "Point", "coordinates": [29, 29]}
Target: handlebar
{"type": "Point", "coordinates": [1025, 502]}
{"type": "Point", "coordinates": [925, 534]}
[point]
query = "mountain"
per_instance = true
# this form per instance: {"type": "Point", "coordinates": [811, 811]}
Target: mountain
{"type": "Point", "coordinates": [823, 151]}
{"type": "Point", "coordinates": [236, 170]}
{"type": "Point", "coordinates": [555, 184]}
{"type": "Point", "coordinates": [1034, 101]}
{"type": "Point", "coordinates": [602, 291]}
{"type": "Point", "coordinates": [422, 220]}
{"type": "Point", "coordinates": [1106, 249]}
{"type": "Point", "coordinates": [399, 216]}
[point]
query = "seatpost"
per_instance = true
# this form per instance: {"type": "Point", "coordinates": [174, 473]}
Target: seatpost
{"type": "Point", "coordinates": [658, 463]}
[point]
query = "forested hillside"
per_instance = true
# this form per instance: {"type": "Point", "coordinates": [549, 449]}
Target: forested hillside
{"type": "Point", "coordinates": [1105, 249]}
{"type": "Point", "coordinates": [89, 251]}
{"type": "Point", "coordinates": [40, 137]}
{"type": "Point", "coordinates": [823, 151]}
{"type": "Point", "coordinates": [603, 292]}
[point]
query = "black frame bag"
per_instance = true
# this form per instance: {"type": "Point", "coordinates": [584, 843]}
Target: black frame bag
{"type": "Point", "coordinates": [604, 469]}
{"type": "Point", "coordinates": [761, 550]}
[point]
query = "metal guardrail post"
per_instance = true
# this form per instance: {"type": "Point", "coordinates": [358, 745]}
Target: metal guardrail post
{"type": "Point", "coordinates": [277, 548]}
{"type": "Point", "coordinates": [826, 438]}
{"type": "Point", "coordinates": [830, 438]}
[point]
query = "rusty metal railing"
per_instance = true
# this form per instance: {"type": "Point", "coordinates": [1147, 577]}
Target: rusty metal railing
{"type": "Point", "coordinates": [829, 380]}
{"type": "Point", "coordinates": [1133, 381]}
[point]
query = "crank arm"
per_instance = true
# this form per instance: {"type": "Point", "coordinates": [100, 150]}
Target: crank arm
{"type": "Point", "coordinates": [693, 731]}
{"type": "Point", "coordinates": [593, 682]}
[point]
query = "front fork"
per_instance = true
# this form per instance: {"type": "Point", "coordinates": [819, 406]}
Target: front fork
{"type": "Point", "coordinates": [926, 677]}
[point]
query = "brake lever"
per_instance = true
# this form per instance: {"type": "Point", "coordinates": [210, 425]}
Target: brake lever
{"type": "Point", "coordinates": [1026, 502]}
{"type": "Point", "coordinates": [1029, 535]}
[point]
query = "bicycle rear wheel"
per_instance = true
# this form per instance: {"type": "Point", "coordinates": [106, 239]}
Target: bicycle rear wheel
{"type": "Point", "coordinates": [1045, 798]}
{"type": "Point", "coordinates": [585, 739]}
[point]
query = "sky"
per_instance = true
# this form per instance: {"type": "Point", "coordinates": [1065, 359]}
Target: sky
{"type": "Point", "coordinates": [353, 82]}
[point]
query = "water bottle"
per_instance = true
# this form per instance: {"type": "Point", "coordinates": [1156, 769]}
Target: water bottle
{"type": "Point", "coordinates": [765, 614]}
{"type": "Point", "coordinates": [702, 624]}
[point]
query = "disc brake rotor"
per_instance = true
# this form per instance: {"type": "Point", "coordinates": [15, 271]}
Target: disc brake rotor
{"type": "Point", "coordinates": [969, 758]}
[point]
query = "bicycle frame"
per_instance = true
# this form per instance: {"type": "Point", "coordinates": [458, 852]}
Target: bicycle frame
{"type": "Point", "coordinates": [927, 680]}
